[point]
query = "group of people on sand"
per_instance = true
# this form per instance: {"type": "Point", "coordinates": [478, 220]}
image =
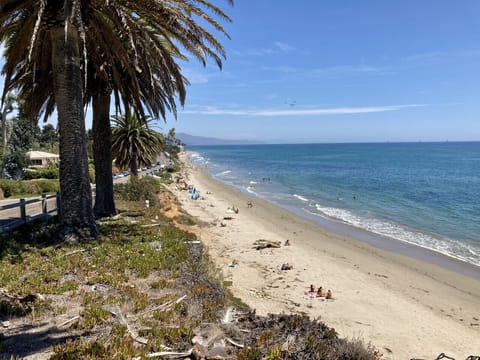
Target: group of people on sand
{"type": "Point", "coordinates": [194, 191]}
{"type": "Point", "coordinates": [320, 292]}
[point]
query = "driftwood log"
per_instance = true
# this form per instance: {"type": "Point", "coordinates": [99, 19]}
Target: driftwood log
{"type": "Point", "coordinates": [263, 244]}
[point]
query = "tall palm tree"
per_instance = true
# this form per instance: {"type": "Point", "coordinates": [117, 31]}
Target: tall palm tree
{"type": "Point", "coordinates": [128, 48]}
{"type": "Point", "coordinates": [57, 43]}
{"type": "Point", "coordinates": [134, 144]}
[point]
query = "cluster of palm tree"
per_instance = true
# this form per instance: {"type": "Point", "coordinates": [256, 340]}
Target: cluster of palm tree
{"type": "Point", "coordinates": [66, 54]}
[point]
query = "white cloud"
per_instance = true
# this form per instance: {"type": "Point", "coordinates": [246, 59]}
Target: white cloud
{"type": "Point", "coordinates": [275, 48]}
{"type": "Point", "coordinates": [283, 46]}
{"type": "Point", "coordinates": [282, 69]}
{"type": "Point", "coordinates": [342, 69]}
{"type": "Point", "coordinates": [325, 71]}
{"type": "Point", "coordinates": [196, 77]}
{"type": "Point", "coordinates": [210, 110]}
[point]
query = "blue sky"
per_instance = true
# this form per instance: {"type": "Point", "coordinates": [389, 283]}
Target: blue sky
{"type": "Point", "coordinates": [339, 71]}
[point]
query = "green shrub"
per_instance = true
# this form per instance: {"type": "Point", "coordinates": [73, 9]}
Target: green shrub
{"type": "Point", "coordinates": [164, 176]}
{"type": "Point", "coordinates": [32, 187]}
{"type": "Point", "coordinates": [11, 187]}
{"type": "Point", "coordinates": [50, 173]}
{"type": "Point", "coordinates": [47, 186]}
{"type": "Point", "coordinates": [138, 189]}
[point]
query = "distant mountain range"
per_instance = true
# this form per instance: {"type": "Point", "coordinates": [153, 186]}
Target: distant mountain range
{"type": "Point", "coordinates": [190, 140]}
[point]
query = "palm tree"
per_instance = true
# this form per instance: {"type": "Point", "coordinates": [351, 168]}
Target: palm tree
{"type": "Point", "coordinates": [134, 144]}
{"type": "Point", "coordinates": [128, 49]}
{"type": "Point", "coordinates": [50, 30]}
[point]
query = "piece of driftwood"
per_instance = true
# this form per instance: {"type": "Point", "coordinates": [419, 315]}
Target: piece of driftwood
{"type": "Point", "coordinates": [228, 317]}
{"type": "Point", "coordinates": [156, 224]}
{"type": "Point", "coordinates": [70, 320]}
{"type": "Point", "coordinates": [234, 343]}
{"type": "Point", "coordinates": [170, 354]}
{"type": "Point", "coordinates": [263, 244]}
{"type": "Point", "coordinates": [167, 305]}
{"type": "Point", "coordinates": [118, 313]}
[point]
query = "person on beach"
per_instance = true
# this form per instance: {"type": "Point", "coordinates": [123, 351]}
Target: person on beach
{"type": "Point", "coordinates": [329, 295]}
{"type": "Point", "coordinates": [234, 263]}
{"type": "Point", "coordinates": [320, 292]}
{"type": "Point", "coordinates": [249, 204]}
{"type": "Point", "coordinates": [311, 292]}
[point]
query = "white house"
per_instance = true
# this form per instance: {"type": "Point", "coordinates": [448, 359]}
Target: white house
{"type": "Point", "coordinates": [41, 159]}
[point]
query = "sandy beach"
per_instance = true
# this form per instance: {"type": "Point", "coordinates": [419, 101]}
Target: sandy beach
{"type": "Point", "coordinates": [405, 307]}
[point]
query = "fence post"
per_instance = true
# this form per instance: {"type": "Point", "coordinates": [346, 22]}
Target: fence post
{"type": "Point", "coordinates": [23, 211]}
{"type": "Point", "coordinates": [44, 205]}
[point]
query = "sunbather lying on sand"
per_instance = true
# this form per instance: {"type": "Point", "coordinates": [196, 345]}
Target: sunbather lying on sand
{"type": "Point", "coordinates": [321, 292]}
{"type": "Point", "coordinates": [329, 295]}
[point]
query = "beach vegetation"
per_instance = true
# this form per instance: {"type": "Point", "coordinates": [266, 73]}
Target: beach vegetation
{"type": "Point", "coordinates": [138, 189]}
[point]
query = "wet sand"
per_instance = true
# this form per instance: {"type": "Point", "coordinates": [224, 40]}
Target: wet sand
{"type": "Point", "coordinates": [405, 306]}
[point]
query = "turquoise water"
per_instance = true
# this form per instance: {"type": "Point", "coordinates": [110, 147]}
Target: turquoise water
{"type": "Point", "coordinates": [425, 194]}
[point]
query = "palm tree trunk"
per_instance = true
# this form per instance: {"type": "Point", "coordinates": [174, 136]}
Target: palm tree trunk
{"type": "Point", "coordinates": [134, 164]}
{"type": "Point", "coordinates": [76, 213]}
{"type": "Point", "coordinates": [7, 108]}
{"type": "Point", "coordinates": [102, 155]}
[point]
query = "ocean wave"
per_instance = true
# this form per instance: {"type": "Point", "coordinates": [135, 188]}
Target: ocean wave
{"type": "Point", "coordinates": [223, 173]}
{"type": "Point", "coordinates": [253, 182]}
{"type": "Point", "coordinates": [196, 157]}
{"type": "Point", "coordinates": [449, 247]}
{"type": "Point", "coordinates": [300, 197]}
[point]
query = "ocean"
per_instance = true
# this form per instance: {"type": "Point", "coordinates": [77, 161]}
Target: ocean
{"type": "Point", "coordinates": [425, 194]}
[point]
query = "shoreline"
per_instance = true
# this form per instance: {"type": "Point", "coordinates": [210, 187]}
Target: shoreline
{"type": "Point", "coordinates": [393, 245]}
{"type": "Point", "coordinates": [405, 306]}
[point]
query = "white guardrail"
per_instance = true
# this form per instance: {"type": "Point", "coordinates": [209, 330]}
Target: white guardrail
{"type": "Point", "coordinates": [14, 213]}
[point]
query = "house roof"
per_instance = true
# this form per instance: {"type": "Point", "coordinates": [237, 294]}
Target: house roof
{"type": "Point", "coordinates": [41, 155]}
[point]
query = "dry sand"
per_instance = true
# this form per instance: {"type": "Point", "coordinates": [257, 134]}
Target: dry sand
{"type": "Point", "coordinates": [404, 307]}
